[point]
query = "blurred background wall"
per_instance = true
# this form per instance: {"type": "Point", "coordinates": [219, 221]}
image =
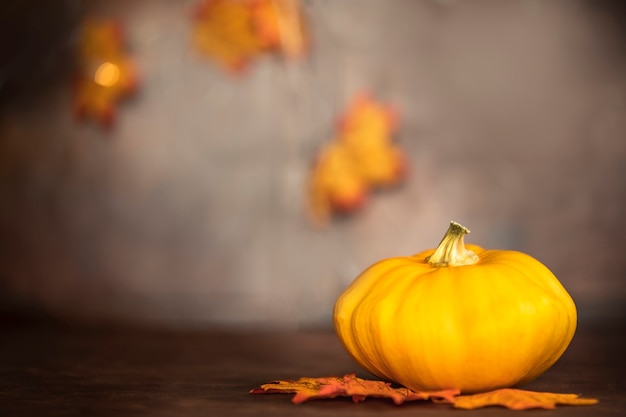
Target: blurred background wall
{"type": "Point", "coordinates": [191, 210]}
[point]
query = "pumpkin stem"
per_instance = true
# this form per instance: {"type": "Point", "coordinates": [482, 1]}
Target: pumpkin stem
{"type": "Point", "coordinates": [451, 250]}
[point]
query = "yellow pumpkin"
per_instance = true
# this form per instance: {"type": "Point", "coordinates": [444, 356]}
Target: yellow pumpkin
{"type": "Point", "coordinates": [456, 317]}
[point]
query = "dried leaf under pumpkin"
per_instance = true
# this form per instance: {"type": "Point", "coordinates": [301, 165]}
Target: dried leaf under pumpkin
{"type": "Point", "coordinates": [517, 399]}
{"type": "Point", "coordinates": [359, 389]}
{"type": "Point", "coordinates": [348, 386]}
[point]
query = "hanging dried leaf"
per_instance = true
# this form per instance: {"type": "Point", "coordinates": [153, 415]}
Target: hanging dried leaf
{"type": "Point", "coordinates": [336, 185]}
{"type": "Point", "coordinates": [279, 25]}
{"type": "Point", "coordinates": [361, 157]}
{"type": "Point", "coordinates": [516, 399]}
{"type": "Point", "coordinates": [348, 386]}
{"type": "Point", "coordinates": [105, 75]}
{"type": "Point", "coordinates": [380, 167]}
{"type": "Point", "coordinates": [365, 114]}
{"type": "Point", "coordinates": [224, 31]}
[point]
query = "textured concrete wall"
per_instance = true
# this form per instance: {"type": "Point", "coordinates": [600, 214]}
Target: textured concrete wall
{"type": "Point", "coordinates": [191, 209]}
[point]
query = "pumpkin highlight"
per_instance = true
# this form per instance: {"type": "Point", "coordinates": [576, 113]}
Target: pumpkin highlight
{"type": "Point", "coordinates": [456, 317]}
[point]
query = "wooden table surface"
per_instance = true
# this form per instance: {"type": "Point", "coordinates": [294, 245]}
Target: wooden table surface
{"type": "Point", "coordinates": [62, 370]}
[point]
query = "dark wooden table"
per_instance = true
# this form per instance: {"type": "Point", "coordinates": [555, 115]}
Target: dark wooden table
{"type": "Point", "coordinates": [61, 370]}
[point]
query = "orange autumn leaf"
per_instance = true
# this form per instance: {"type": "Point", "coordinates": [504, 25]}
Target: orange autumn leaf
{"type": "Point", "coordinates": [365, 114]}
{"type": "Point", "coordinates": [279, 24]}
{"type": "Point", "coordinates": [105, 75]}
{"type": "Point", "coordinates": [516, 399]}
{"type": "Point", "coordinates": [335, 184]}
{"type": "Point", "coordinates": [101, 38]}
{"type": "Point", "coordinates": [367, 128]}
{"type": "Point", "coordinates": [307, 388]}
{"type": "Point", "coordinates": [348, 386]}
{"type": "Point", "coordinates": [223, 30]}
{"type": "Point", "coordinates": [381, 167]}
{"type": "Point", "coordinates": [362, 156]}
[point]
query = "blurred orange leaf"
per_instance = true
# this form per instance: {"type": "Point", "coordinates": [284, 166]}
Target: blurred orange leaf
{"type": "Point", "coordinates": [364, 114]}
{"type": "Point", "coordinates": [362, 156]}
{"type": "Point", "coordinates": [335, 184]}
{"type": "Point", "coordinates": [516, 399]}
{"type": "Point", "coordinates": [367, 128]}
{"type": "Point", "coordinates": [279, 24]}
{"type": "Point", "coordinates": [106, 74]}
{"type": "Point", "coordinates": [234, 32]}
{"type": "Point", "coordinates": [223, 31]}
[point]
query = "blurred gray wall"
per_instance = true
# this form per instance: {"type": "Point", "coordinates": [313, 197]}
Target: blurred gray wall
{"type": "Point", "coordinates": [192, 209]}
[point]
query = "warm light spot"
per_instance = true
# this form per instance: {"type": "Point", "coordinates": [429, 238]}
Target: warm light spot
{"type": "Point", "coordinates": [107, 74]}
